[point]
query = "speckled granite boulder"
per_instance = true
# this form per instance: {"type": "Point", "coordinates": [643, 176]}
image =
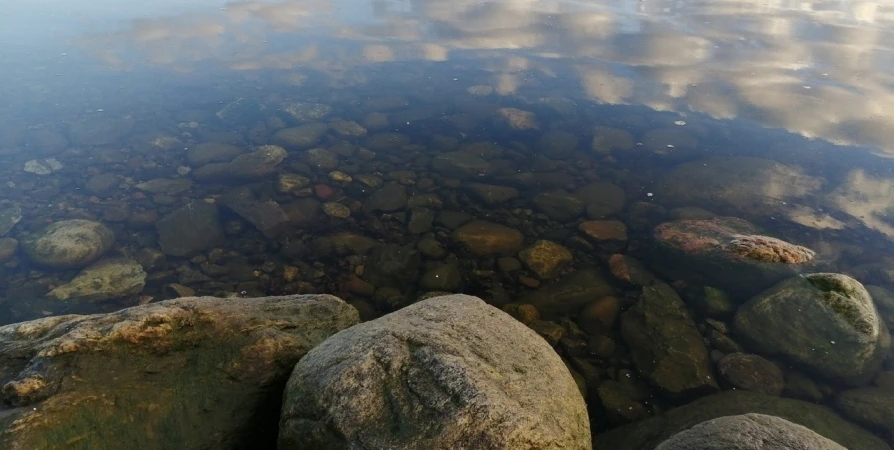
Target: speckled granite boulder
{"type": "Point", "coordinates": [191, 373]}
{"type": "Point", "coordinates": [748, 432]}
{"type": "Point", "coordinates": [450, 372]}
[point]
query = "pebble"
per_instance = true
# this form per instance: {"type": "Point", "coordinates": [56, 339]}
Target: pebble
{"type": "Point", "coordinates": [336, 210]}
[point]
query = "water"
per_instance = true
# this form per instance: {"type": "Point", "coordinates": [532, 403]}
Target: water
{"type": "Point", "coordinates": [534, 116]}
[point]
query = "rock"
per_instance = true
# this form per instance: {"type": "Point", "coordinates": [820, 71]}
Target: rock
{"type": "Point", "coordinates": [267, 216]}
{"type": "Point", "coordinates": [43, 166]}
{"type": "Point", "coordinates": [603, 199]}
{"type": "Point", "coordinates": [630, 270]}
{"type": "Point", "coordinates": [490, 194]}
{"type": "Point", "coordinates": [322, 159]}
{"type": "Point", "coordinates": [824, 321]}
{"type": "Point", "coordinates": [748, 432]}
{"type": "Point", "coordinates": [601, 346]}
{"type": "Point", "coordinates": [257, 164]}
{"type": "Point", "coordinates": [104, 280]}
{"type": "Point", "coordinates": [391, 197]}
{"type": "Point", "coordinates": [190, 230]}
{"type": "Point", "coordinates": [570, 293]}
{"type": "Point", "coordinates": [347, 128]}
{"type": "Point", "coordinates": [381, 142]}
{"type": "Point", "coordinates": [619, 407]}
{"type": "Point", "coordinates": [302, 137]}
{"type": "Point", "coordinates": [549, 331]}
{"type": "Point", "coordinates": [99, 130]}
{"type": "Point", "coordinates": [524, 313]}
{"type": "Point", "coordinates": [336, 210]}
{"type": "Point", "coordinates": [467, 374]}
{"type": "Point", "coordinates": [483, 238]}
{"type": "Point", "coordinates": [167, 186]}
{"type": "Point", "coordinates": [607, 140]}
{"type": "Point", "coordinates": [9, 217]}
{"type": "Point", "coordinates": [752, 373]}
{"type": "Point", "coordinates": [870, 406]}
{"type": "Point", "coordinates": [101, 184]}
{"type": "Point", "coordinates": [443, 277]}
{"type": "Point", "coordinates": [8, 248]}
{"type": "Point", "coordinates": [304, 212]}
{"type": "Point", "coordinates": [240, 111]}
{"type": "Point", "coordinates": [649, 433]}
{"type": "Point", "coordinates": [306, 112]}
{"type": "Point", "coordinates": [68, 244]}
{"type": "Point", "coordinates": [480, 90]}
{"type": "Point", "coordinates": [392, 265]}
{"type": "Point", "coordinates": [452, 219]}
{"type": "Point", "coordinates": [289, 182]}
{"type": "Point", "coordinates": [46, 142]}
{"type": "Point", "coordinates": [557, 143]}
{"type": "Point", "coordinates": [420, 220]}
{"type": "Point", "coordinates": [431, 248]}
{"type": "Point", "coordinates": [343, 244]}
{"type": "Point", "coordinates": [340, 177]}
{"type": "Point", "coordinates": [545, 258]}
{"type": "Point", "coordinates": [666, 346]}
{"type": "Point", "coordinates": [884, 303]}
{"type": "Point", "coordinates": [211, 152]}
{"type": "Point", "coordinates": [712, 302]}
{"type": "Point", "coordinates": [798, 385]}
{"type": "Point", "coordinates": [559, 205]}
{"type": "Point", "coordinates": [604, 231]}
{"type": "Point", "coordinates": [191, 373]}
{"type": "Point", "coordinates": [599, 317]}
{"type": "Point", "coordinates": [727, 253]}
{"type": "Point", "coordinates": [738, 185]}
{"type": "Point", "coordinates": [691, 213]}
{"type": "Point", "coordinates": [518, 119]}
{"type": "Point", "coordinates": [460, 165]}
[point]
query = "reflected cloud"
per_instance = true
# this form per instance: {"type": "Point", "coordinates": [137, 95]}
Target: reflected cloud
{"type": "Point", "coordinates": [822, 70]}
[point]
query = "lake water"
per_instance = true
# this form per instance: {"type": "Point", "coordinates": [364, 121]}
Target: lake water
{"type": "Point", "coordinates": [384, 150]}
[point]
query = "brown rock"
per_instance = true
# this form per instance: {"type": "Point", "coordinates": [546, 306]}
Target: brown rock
{"type": "Point", "coordinates": [360, 287]}
{"type": "Point", "coordinates": [524, 313]}
{"type": "Point", "coordinates": [529, 282]}
{"type": "Point", "coordinates": [752, 373]}
{"type": "Point", "coordinates": [545, 258]}
{"type": "Point", "coordinates": [601, 346]}
{"type": "Point", "coordinates": [599, 316]}
{"type": "Point", "coordinates": [630, 270]}
{"type": "Point", "coordinates": [484, 238]}
{"type": "Point", "coordinates": [604, 230]}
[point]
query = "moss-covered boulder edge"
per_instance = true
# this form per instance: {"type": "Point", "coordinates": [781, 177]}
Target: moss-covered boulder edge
{"type": "Point", "coordinates": [188, 373]}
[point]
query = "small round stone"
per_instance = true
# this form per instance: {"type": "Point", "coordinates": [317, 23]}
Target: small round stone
{"type": "Point", "coordinates": [336, 210]}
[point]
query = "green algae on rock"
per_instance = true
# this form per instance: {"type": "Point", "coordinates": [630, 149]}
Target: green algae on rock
{"type": "Point", "coordinates": [191, 373]}
{"type": "Point", "coordinates": [824, 321]}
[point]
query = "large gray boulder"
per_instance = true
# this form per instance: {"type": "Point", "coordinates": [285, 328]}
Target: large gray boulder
{"type": "Point", "coordinates": [191, 373]}
{"type": "Point", "coordinates": [748, 432]}
{"type": "Point", "coordinates": [649, 433]}
{"type": "Point", "coordinates": [68, 244]}
{"type": "Point", "coordinates": [666, 346]}
{"type": "Point", "coordinates": [446, 373]}
{"type": "Point", "coordinates": [824, 321]}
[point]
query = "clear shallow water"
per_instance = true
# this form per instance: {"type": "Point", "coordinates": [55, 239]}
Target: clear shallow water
{"type": "Point", "coordinates": [635, 94]}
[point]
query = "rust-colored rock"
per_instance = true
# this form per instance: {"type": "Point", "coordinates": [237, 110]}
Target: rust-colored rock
{"type": "Point", "coordinates": [604, 230]}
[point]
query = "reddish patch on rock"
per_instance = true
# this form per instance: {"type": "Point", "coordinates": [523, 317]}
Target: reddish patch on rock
{"type": "Point", "coordinates": [684, 239]}
{"type": "Point", "coordinates": [768, 249]}
{"type": "Point", "coordinates": [323, 192]}
{"type": "Point", "coordinates": [618, 267]}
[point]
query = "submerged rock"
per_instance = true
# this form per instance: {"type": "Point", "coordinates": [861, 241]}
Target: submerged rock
{"type": "Point", "coordinates": [460, 165]}
{"type": "Point", "coordinates": [343, 244]}
{"type": "Point", "coordinates": [749, 432]}
{"type": "Point", "coordinates": [725, 252]}
{"type": "Point", "coordinates": [43, 166]}
{"type": "Point", "coordinates": [392, 265]}
{"type": "Point", "coordinates": [483, 238]}
{"type": "Point", "coordinates": [9, 217]}
{"type": "Point", "coordinates": [545, 258]}
{"type": "Point", "coordinates": [68, 244]}
{"type": "Point", "coordinates": [209, 152]}
{"type": "Point", "coordinates": [752, 373]}
{"type": "Point", "coordinates": [259, 163]}
{"type": "Point", "coordinates": [518, 119]}
{"type": "Point", "coordinates": [167, 186]}
{"type": "Point", "coordinates": [191, 373]}
{"type": "Point", "coordinates": [302, 137]}
{"type": "Point", "coordinates": [391, 197]}
{"type": "Point", "coordinates": [446, 373]}
{"type": "Point", "coordinates": [8, 247]}
{"type": "Point", "coordinates": [666, 346]}
{"type": "Point", "coordinates": [266, 215]}
{"type": "Point", "coordinates": [190, 229]}
{"type": "Point", "coordinates": [569, 294]}
{"type": "Point", "coordinates": [99, 130]}
{"type": "Point", "coordinates": [824, 321]}
{"type": "Point", "coordinates": [306, 112]}
{"type": "Point", "coordinates": [649, 433]}
{"type": "Point", "coordinates": [559, 205]}
{"type": "Point", "coordinates": [871, 407]}
{"type": "Point", "coordinates": [104, 280]}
